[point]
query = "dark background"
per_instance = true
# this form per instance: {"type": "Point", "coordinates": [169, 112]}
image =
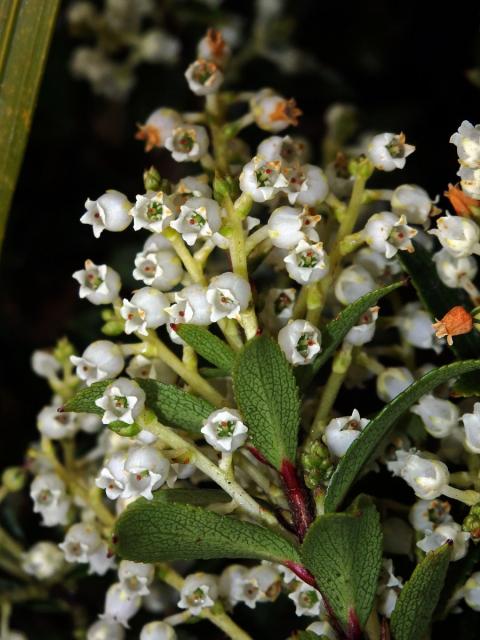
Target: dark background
{"type": "Point", "coordinates": [404, 70]}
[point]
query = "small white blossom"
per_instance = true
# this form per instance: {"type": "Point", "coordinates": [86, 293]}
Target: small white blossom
{"type": "Point", "coordinates": [113, 477]}
{"type": "Point", "coordinates": [43, 560]}
{"type": "Point", "coordinates": [388, 589]}
{"type": "Point", "coordinates": [109, 211]}
{"type": "Point", "coordinates": [307, 263]}
{"type": "Point", "coordinates": [161, 269]}
{"type": "Point", "coordinates": [387, 233]}
{"type": "Point", "coordinates": [191, 306]}
{"type": "Point", "coordinates": [341, 432]}
{"type": "Point", "coordinates": [470, 181]}
{"type": "Point", "coordinates": [413, 202]}
{"type": "Point", "coordinates": [229, 585]}
{"type": "Point", "coordinates": [262, 179]}
{"type": "Point", "coordinates": [145, 310]}
{"type": "Point", "coordinates": [122, 400]}
{"type": "Point", "coordinates": [199, 218]}
{"type": "Point", "coordinates": [300, 341]}
{"type": "Point", "coordinates": [83, 544]}
{"type": "Point", "coordinates": [285, 227]}
{"type": "Point", "coordinates": [459, 236]}
{"type": "Point", "coordinates": [106, 630]}
{"type": "Point", "coordinates": [188, 142]}
{"type": "Point", "coordinates": [199, 592]}
{"type": "Point", "coordinates": [426, 477]}
{"type": "Point", "coordinates": [441, 534]}
{"type": "Point", "coordinates": [102, 359]}
{"type": "Point", "coordinates": [191, 187]}
{"type": "Point", "coordinates": [99, 284]}
{"type": "Point", "coordinates": [286, 149]}
{"type": "Point", "coordinates": [150, 369]}
{"type": "Point", "coordinates": [307, 186]}
{"type": "Point", "coordinates": [214, 47]}
{"type": "Point", "coordinates": [454, 272]}
{"type": "Point", "coordinates": [425, 514]}
{"type": "Point", "coordinates": [156, 242]}
{"type": "Point", "coordinates": [158, 127]}
{"type": "Point", "coordinates": [136, 577]}
{"type": "Point", "coordinates": [157, 630]}
{"type": "Point", "coordinates": [259, 584]}
{"type": "Point", "coordinates": [228, 295]}
{"type": "Point", "coordinates": [376, 264]}
{"type": "Point", "coordinates": [157, 45]}
{"type": "Point", "coordinates": [467, 141]}
{"type": "Point", "coordinates": [152, 211]}
{"type": "Point", "coordinates": [388, 151]}
{"type": "Point", "coordinates": [415, 327]}
{"type": "Point", "coordinates": [471, 591]}
{"type": "Point", "coordinates": [120, 606]}
{"type": "Point", "coordinates": [471, 422]}
{"type": "Point", "coordinates": [308, 601]}
{"type": "Point", "coordinates": [224, 430]}
{"type": "Point", "coordinates": [392, 381]}
{"type": "Point", "coordinates": [278, 308]}
{"type": "Point", "coordinates": [204, 77]}
{"type": "Point", "coordinates": [147, 470]}
{"type": "Point", "coordinates": [352, 283]}
{"type": "Point", "coordinates": [438, 416]}
{"type": "Point", "coordinates": [273, 112]}
{"type": "Point", "coordinates": [44, 364]}
{"type": "Point", "coordinates": [363, 332]}
{"type": "Point", "coordinates": [55, 425]}
{"type": "Point", "coordinates": [50, 500]}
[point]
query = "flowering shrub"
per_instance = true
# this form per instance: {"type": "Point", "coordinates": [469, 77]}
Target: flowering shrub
{"type": "Point", "coordinates": [211, 422]}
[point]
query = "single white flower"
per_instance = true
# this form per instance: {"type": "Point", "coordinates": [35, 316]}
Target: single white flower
{"type": "Point", "coordinates": [136, 577]}
{"type": "Point", "coordinates": [157, 630]}
{"type": "Point", "coordinates": [363, 332]}
{"type": "Point", "coordinates": [113, 477]}
{"type": "Point", "coordinates": [308, 601]}
{"type": "Point", "coordinates": [438, 416]}
{"type": "Point", "coordinates": [147, 470]}
{"type": "Point", "coordinates": [352, 283]}
{"type": "Point", "coordinates": [278, 308]}
{"type": "Point", "coordinates": [224, 430]}
{"type": "Point", "coordinates": [307, 185]}
{"type": "Point", "coordinates": [459, 236]}
{"type": "Point", "coordinates": [105, 630]}
{"type": "Point", "coordinates": [187, 142]}
{"type": "Point", "coordinates": [204, 77]}
{"type": "Point", "coordinates": [441, 534]}
{"type": "Point", "coordinates": [228, 295]}
{"type": "Point", "coordinates": [151, 369]}
{"type": "Point", "coordinates": [101, 359]}
{"type": "Point", "coordinates": [229, 584]}
{"type": "Point", "coordinates": [190, 306]}
{"type": "Point", "coordinates": [470, 181]}
{"type": "Point", "coordinates": [120, 606]}
{"type": "Point", "coordinates": [413, 202]}
{"type": "Point", "coordinates": [273, 112]}
{"type": "Point", "coordinates": [392, 381]}
{"type": "Point", "coordinates": [454, 272]}
{"type": "Point", "coordinates": [426, 514]}
{"type": "Point", "coordinates": [467, 141]}
{"type": "Point", "coordinates": [285, 227]}
{"type": "Point", "coordinates": [55, 425]}
{"type": "Point", "coordinates": [426, 477]}
{"type": "Point", "coordinates": [162, 270]}
{"type": "Point", "coordinates": [388, 151]}
{"type": "Point", "coordinates": [388, 589]}
{"type": "Point", "coordinates": [285, 149]}
{"type": "Point", "coordinates": [199, 218]}
{"type": "Point", "coordinates": [471, 422]}
{"type": "Point", "coordinates": [262, 179]}
{"type": "Point", "coordinates": [300, 341]}
{"type": "Point", "coordinates": [415, 327]}
{"type": "Point", "coordinates": [83, 544]}
{"type": "Point", "coordinates": [307, 263]}
{"type": "Point", "coordinates": [43, 560]}
{"type": "Point", "coordinates": [152, 211]}
{"type": "Point", "coordinates": [145, 310]}
{"type": "Point", "coordinates": [50, 500]}
{"type": "Point", "coordinates": [376, 264]}
{"type": "Point", "coordinates": [199, 592]}
{"type": "Point", "coordinates": [262, 583]}
{"type": "Point", "coordinates": [122, 400]}
{"type": "Point", "coordinates": [387, 233]}
{"type": "Point", "coordinates": [44, 364]}
{"type": "Point", "coordinates": [341, 432]}
{"type": "Point", "coordinates": [99, 284]}
{"type": "Point", "coordinates": [214, 47]}
{"type": "Point", "coordinates": [158, 127]}
{"type": "Point", "coordinates": [109, 211]}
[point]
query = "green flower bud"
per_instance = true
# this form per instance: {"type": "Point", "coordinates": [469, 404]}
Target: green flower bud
{"type": "Point", "coordinates": [63, 350]}
{"type": "Point", "coordinates": [113, 327]}
{"type": "Point", "coordinates": [317, 465]}
{"type": "Point", "coordinates": [14, 478]}
{"type": "Point", "coordinates": [472, 522]}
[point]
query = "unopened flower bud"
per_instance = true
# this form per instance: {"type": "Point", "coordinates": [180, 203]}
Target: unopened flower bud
{"type": "Point", "coordinates": [455, 322]}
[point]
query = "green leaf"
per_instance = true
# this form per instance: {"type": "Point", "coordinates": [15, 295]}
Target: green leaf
{"type": "Point", "coordinates": [166, 528]}
{"type": "Point", "coordinates": [267, 396]}
{"type": "Point", "coordinates": [26, 29]}
{"type": "Point", "coordinates": [457, 574]}
{"type": "Point", "coordinates": [84, 400]}
{"type": "Point", "coordinates": [336, 330]}
{"type": "Point", "coordinates": [438, 299]}
{"type": "Point", "coordinates": [344, 553]}
{"type": "Point", "coordinates": [213, 372]}
{"type": "Point", "coordinates": [365, 448]}
{"type": "Point", "coordinates": [208, 345]}
{"type": "Point", "coordinates": [416, 602]}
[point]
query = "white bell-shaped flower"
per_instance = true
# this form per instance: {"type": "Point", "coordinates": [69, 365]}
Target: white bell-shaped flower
{"type": "Point", "coordinates": [109, 211]}
{"type": "Point", "coordinates": [442, 534]}
{"type": "Point", "coordinates": [300, 341]}
{"type": "Point", "coordinates": [470, 181]}
{"type": "Point", "coordinates": [467, 141]}
{"type": "Point", "coordinates": [190, 306]}
{"type": "Point", "coordinates": [204, 77]}
{"type": "Point", "coordinates": [415, 326]}
{"type": "Point", "coordinates": [224, 430]}
{"type": "Point", "coordinates": [228, 296]}
{"type": "Point", "coordinates": [99, 284]}
{"type": "Point", "coordinates": [156, 242]}
{"type": "Point", "coordinates": [120, 606]}
{"type": "Point", "coordinates": [199, 592]}
{"type": "Point", "coordinates": [262, 179]}
{"type": "Point", "coordinates": [150, 369]}
{"type": "Point", "coordinates": [438, 416]}
{"type": "Point", "coordinates": [55, 425]}
{"type": "Point", "coordinates": [43, 561]}
{"type": "Point", "coordinates": [229, 584]}
{"type": "Point", "coordinates": [285, 227]}
{"type": "Point", "coordinates": [454, 272]}
{"type": "Point", "coordinates": [459, 236]}
{"type": "Point", "coordinates": [113, 477]}
{"type": "Point", "coordinates": [426, 477]}
{"type": "Point", "coordinates": [307, 186]}
{"type": "Point", "coordinates": [102, 359]}
{"type": "Point", "coordinates": [352, 283]}
{"type": "Point", "coordinates": [214, 47]}
{"type": "Point", "coordinates": [122, 400]}
{"type": "Point", "coordinates": [278, 308]}
{"type": "Point", "coordinates": [147, 470]}
{"type": "Point", "coordinates": [364, 331]}
{"type": "Point", "coordinates": [50, 500]}
{"type": "Point", "coordinates": [341, 432]}
{"type": "Point", "coordinates": [187, 143]}
{"type": "Point", "coordinates": [199, 218]}
{"type": "Point", "coordinates": [376, 264]}
{"type": "Point", "coordinates": [413, 202]}
{"type": "Point", "coordinates": [388, 151]}
{"type": "Point", "coordinates": [83, 544]}
{"type": "Point", "coordinates": [307, 263]}
{"type": "Point", "coordinates": [44, 364]}
{"type": "Point", "coordinates": [136, 577]}
{"type": "Point", "coordinates": [106, 630]}
{"type": "Point", "coordinates": [471, 422]}
{"type": "Point", "coordinates": [388, 233]}
{"type": "Point", "coordinates": [158, 127]}
{"type": "Point", "coordinates": [426, 514]}
{"type": "Point", "coordinates": [262, 583]}
{"type": "Point", "coordinates": [152, 211]}
{"type": "Point", "coordinates": [308, 601]}
{"type": "Point", "coordinates": [157, 630]}
{"type": "Point", "coordinates": [286, 149]}
{"type": "Point", "coordinates": [273, 112]}
{"type": "Point", "coordinates": [392, 381]}
{"type": "Point", "coordinates": [145, 310]}
{"type": "Point", "coordinates": [162, 270]}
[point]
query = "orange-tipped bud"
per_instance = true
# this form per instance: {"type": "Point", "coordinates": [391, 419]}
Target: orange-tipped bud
{"type": "Point", "coordinates": [462, 203]}
{"type": "Point", "coordinates": [455, 322]}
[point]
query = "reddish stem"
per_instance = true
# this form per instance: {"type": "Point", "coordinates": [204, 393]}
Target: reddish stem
{"type": "Point", "coordinates": [259, 456]}
{"type": "Point", "coordinates": [385, 632]}
{"type": "Point", "coordinates": [301, 572]}
{"type": "Point", "coordinates": [297, 497]}
{"type": "Point", "coordinates": [354, 631]}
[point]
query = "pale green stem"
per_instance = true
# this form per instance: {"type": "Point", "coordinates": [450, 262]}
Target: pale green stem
{"type": "Point", "coordinates": [193, 267]}
{"type": "Point", "coordinates": [243, 205]}
{"type": "Point", "coordinates": [178, 618]}
{"type": "Point", "coordinates": [271, 490]}
{"type": "Point", "coordinates": [467, 496]}
{"type": "Point", "coordinates": [371, 364]}
{"type": "Point", "coordinates": [300, 305]}
{"type": "Point", "coordinates": [255, 239]}
{"type": "Point", "coordinates": [210, 469]}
